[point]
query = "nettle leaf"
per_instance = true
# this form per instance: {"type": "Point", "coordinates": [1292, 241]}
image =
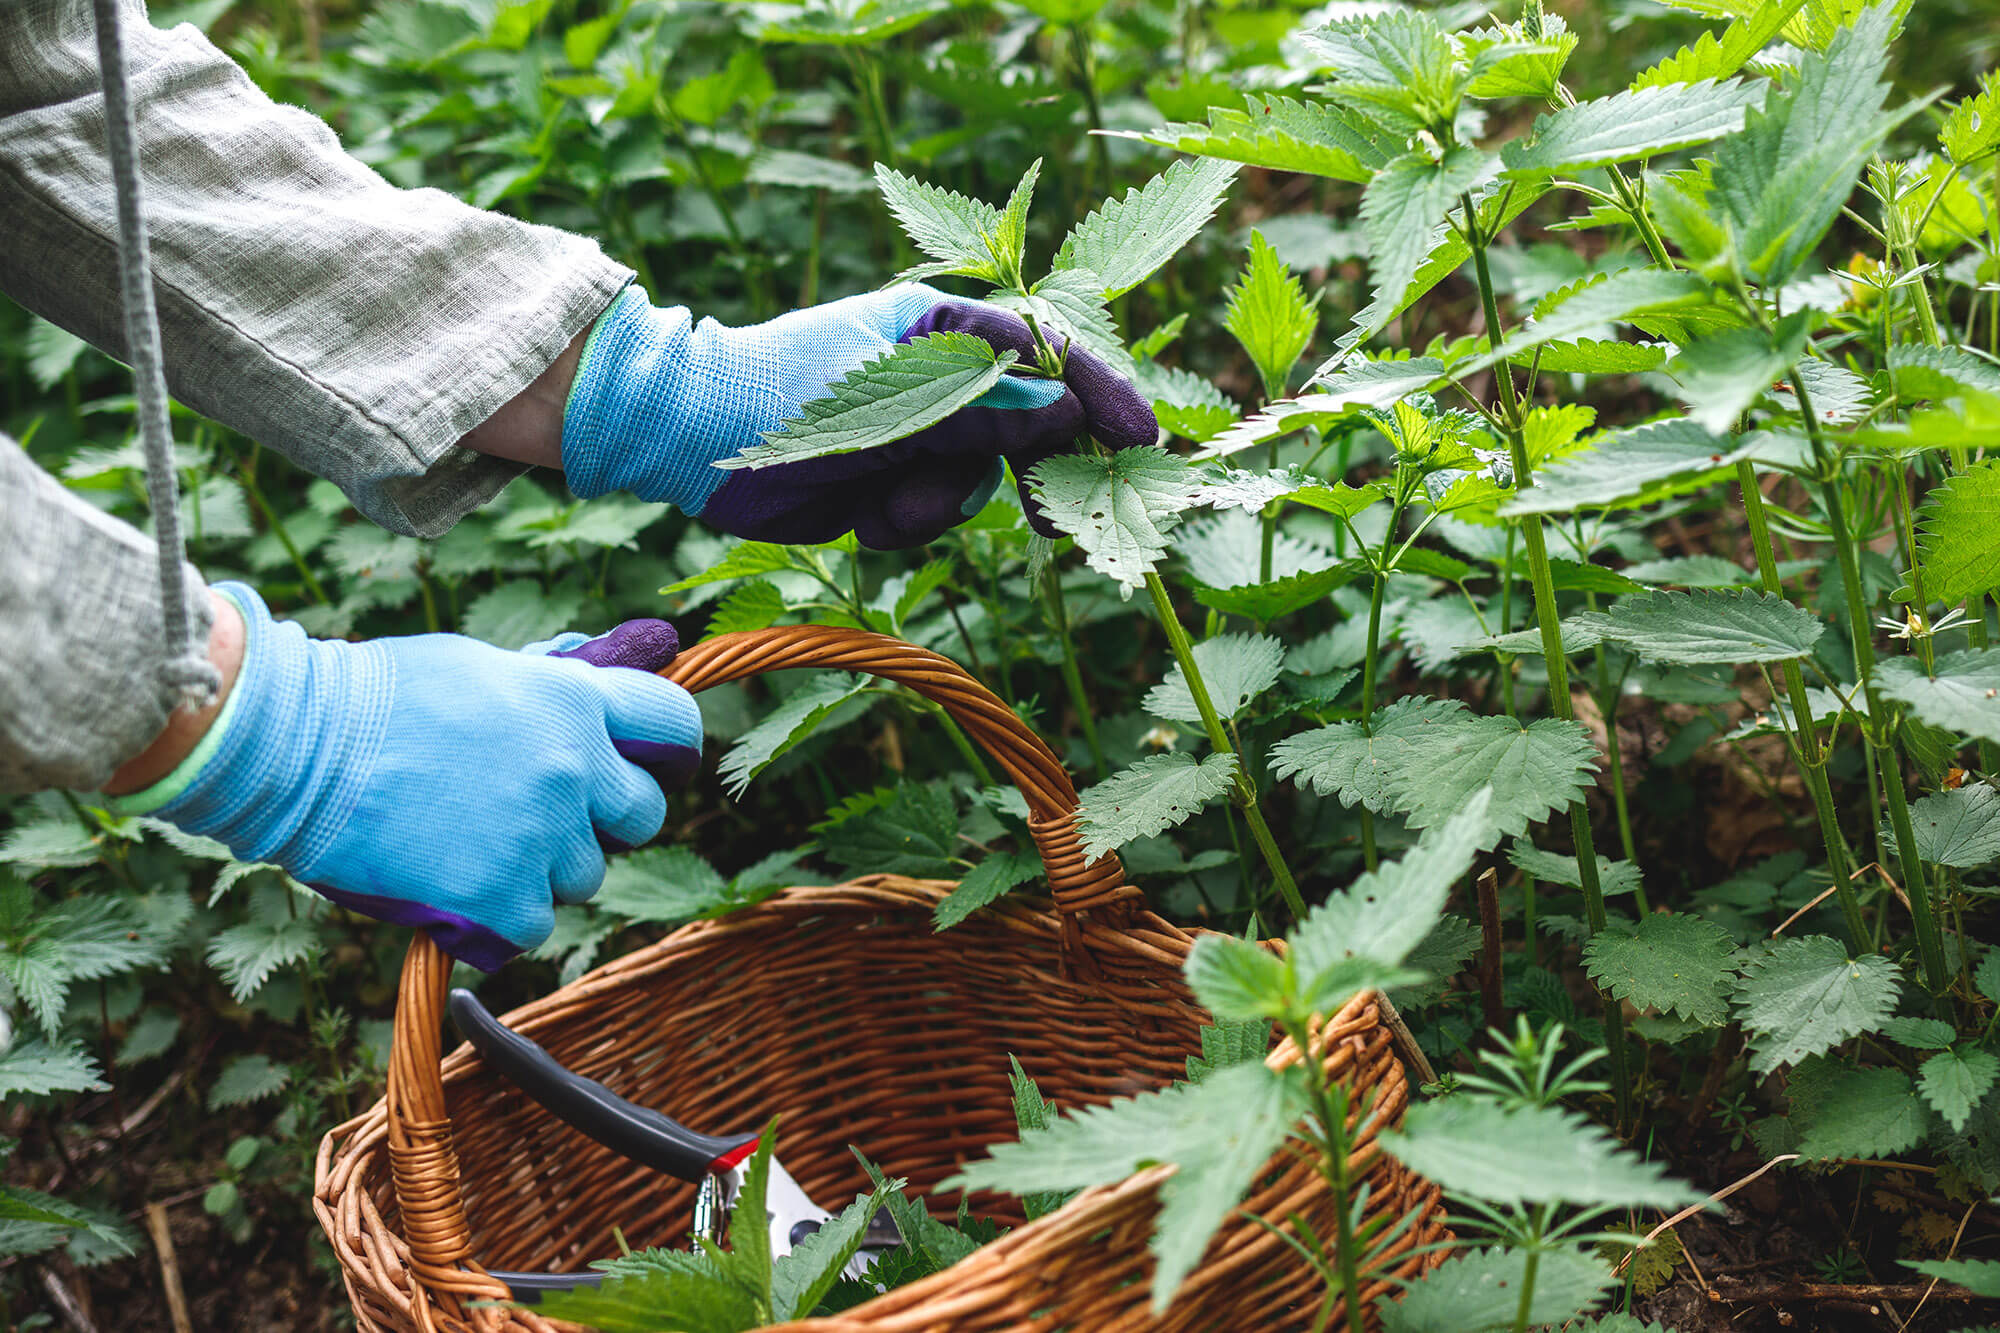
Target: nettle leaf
{"type": "Point", "coordinates": [1803, 997]}
{"type": "Point", "coordinates": [1721, 376]}
{"type": "Point", "coordinates": [1613, 877]}
{"type": "Point", "coordinates": [1236, 667]}
{"type": "Point", "coordinates": [1124, 240]}
{"type": "Point", "coordinates": [1920, 1034]}
{"type": "Point", "coordinates": [754, 605]}
{"type": "Point", "coordinates": [1981, 1277]}
{"type": "Point", "coordinates": [1152, 795]}
{"type": "Point", "coordinates": [1186, 404]}
{"type": "Point", "coordinates": [1633, 124]}
{"type": "Point", "coordinates": [1960, 542]}
{"type": "Point", "coordinates": [1509, 66]}
{"type": "Point", "coordinates": [910, 387]}
{"type": "Point", "coordinates": [1963, 697]}
{"type": "Point", "coordinates": [1283, 134]}
{"type": "Point", "coordinates": [1119, 508]}
{"type": "Point", "coordinates": [1346, 391]}
{"type": "Point", "coordinates": [1709, 58]}
{"type": "Point", "coordinates": [1223, 550]}
{"type": "Point", "coordinates": [1406, 202]}
{"type": "Point", "coordinates": [1477, 1290]}
{"type": "Point", "coordinates": [1847, 1112]}
{"type": "Point", "coordinates": [1269, 313]}
{"type": "Point", "coordinates": [1958, 828]}
{"type": "Point", "coordinates": [1533, 770]}
{"type": "Point", "coordinates": [1219, 1133]}
{"type": "Point", "coordinates": [1918, 372]}
{"type": "Point", "coordinates": [1528, 1154]}
{"type": "Point", "coordinates": [908, 829]}
{"type": "Point", "coordinates": [1971, 129]}
{"type": "Point", "coordinates": [1674, 963]}
{"type": "Point", "coordinates": [1069, 303]}
{"type": "Point", "coordinates": [246, 1079]}
{"type": "Point", "coordinates": [984, 884]}
{"type": "Point", "coordinates": [37, 1068]}
{"type": "Point", "coordinates": [1691, 571]}
{"type": "Point", "coordinates": [1596, 356]}
{"type": "Point", "coordinates": [667, 885]}
{"type": "Point", "coordinates": [801, 1279]}
{"type": "Point", "coordinates": [1265, 602]}
{"type": "Point", "coordinates": [950, 228]}
{"type": "Point", "coordinates": [1359, 764]}
{"type": "Point", "coordinates": [1588, 305]}
{"type": "Point", "coordinates": [806, 171]}
{"type": "Point", "coordinates": [1575, 639]}
{"type": "Point", "coordinates": [1708, 625]}
{"type": "Point", "coordinates": [518, 612]}
{"type": "Point", "coordinates": [791, 722]}
{"type": "Point", "coordinates": [1780, 183]}
{"type": "Point", "coordinates": [1955, 1081]}
{"type": "Point", "coordinates": [248, 954]}
{"type": "Point", "coordinates": [1397, 63]}
{"type": "Point", "coordinates": [1637, 466]}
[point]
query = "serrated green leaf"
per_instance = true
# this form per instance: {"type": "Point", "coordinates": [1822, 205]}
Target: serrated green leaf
{"type": "Point", "coordinates": [1533, 770]}
{"type": "Point", "coordinates": [1709, 58]}
{"type": "Point", "coordinates": [1226, 1044]}
{"type": "Point", "coordinates": [1632, 124]}
{"type": "Point", "coordinates": [1708, 625]}
{"type": "Point", "coordinates": [1917, 372]}
{"type": "Point", "coordinates": [947, 226]}
{"type": "Point", "coordinates": [1674, 962]}
{"type": "Point", "coordinates": [1477, 1290]}
{"type": "Point", "coordinates": [985, 883]}
{"type": "Point", "coordinates": [1972, 126]}
{"type": "Point", "coordinates": [1575, 639]}
{"type": "Point", "coordinates": [870, 22]}
{"type": "Point", "coordinates": [1921, 1034]}
{"type": "Point", "coordinates": [806, 171]}
{"type": "Point", "coordinates": [1953, 1082]}
{"type": "Point", "coordinates": [1614, 878]}
{"type": "Point", "coordinates": [802, 1278]}
{"type": "Point", "coordinates": [697, 1295]}
{"type": "Point", "coordinates": [1219, 1133]}
{"type": "Point", "coordinates": [1224, 550]}
{"type": "Point", "coordinates": [910, 387]}
{"type": "Point", "coordinates": [908, 829]}
{"type": "Point", "coordinates": [1595, 356]}
{"type": "Point", "coordinates": [1344, 393]}
{"type": "Point", "coordinates": [1236, 980]}
{"type": "Point", "coordinates": [517, 613]}
{"type": "Point", "coordinates": [1528, 1155]}
{"type": "Point", "coordinates": [1398, 65]}
{"type": "Point", "coordinates": [666, 885]}
{"type": "Point", "coordinates": [1508, 64]}
{"type": "Point", "coordinates": [1981, 1277]}
{"type": "Point", "coordinates": [1283, 134]}
{"type": "Point", "coordinates": [1639, 465]}
{"type": "Point", "coordinates": [1010, 234]}
{"type": "Point", "coordinates": [37, 1068]}
{"type": "Point", "coordinates": [246, 1079]}
{"type": "Point", "coordinates": [1960, 543]}
{"type": "Point", "coordinates": [1958, 828]}
{"type": "Point", "coordinates": [49, 844]}
{"type": "Point", "coordinates": [246, 955]}
{"type": "Point", "coordinates": [743, 560]}
{"type": "Point", "coordinates": [1362, 764]}
{"type": "Point", "coordinates": [1070, 304]}
{"type": "Point", "coordinates": [1236, 667]}
{"type": "Point", "coordinates": [152, 1035]}
{"type": "Point", "coordinates": [1588, 305]}
{"type": "Point", "coordinates": [1124, 240]}
{"type": "Point", "coordinates": [798, 717]}
{"type": "Point", "coordinates": [1722, 375]}
{"type": "Point", "coordinates": [1265, 602]}
{"type": "Point", "coordinates": [1691, 571]}
{"type": "Point", "coordinates": [1802, 997]}
{"type": "Point", "coordinates": [1858, 1113]}
{"type": "Point", "coordinates": [753, 605]}
{"type": "Point", "coordinates": [1155, 794]}
{"type": "Point", "coordinates": [1963, 697]}
{"type": "Point", "coordinates": [1186, 404]}
{"type": "Point", "coordinates": [1119, 508]}
{"type": "Point", "coordinates": [1780, 183]}
{"type": "Point", "coordinates": [1269, 313]}
{"type": "Point", "coordinates": [1406, 203]}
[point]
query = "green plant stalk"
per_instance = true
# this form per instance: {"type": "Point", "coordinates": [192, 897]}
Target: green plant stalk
{"type": "Point", "coordinates": [1526, 1302]}
{"type": "Point", "coordinates": [1607, 704]}
{"type": "Point", "coordinates": [1333, 1169]}
{"type": "Point", "coordinates": [1218, 740]}
{"type": "Point", "coordinates": [249, 479]}
{"type": "Point", "coordinates": [966, 749]}
{"type": "Point", "coordinates": [1552, 652]}
{"type": "Point", "coordinates": [1811, 760]}
{"type": "Point", "coordinates": [1368, 852]}
{"type": "Point", "coordinates": [1100, 152]}
{"type": "Point", "coordinates": [1058, 614]}
{"type": "Point", "coordinates": [1881, 738]}
{"type": "Point", "coordinates": [1269, 520]}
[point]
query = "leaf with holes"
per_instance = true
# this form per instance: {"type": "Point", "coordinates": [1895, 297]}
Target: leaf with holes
{"type": "Point", "coordinates": [1236, 667]}
{"type": "Point", "coordinates": [1125, 240]}
{"type": "Point", "coordinates": [1151, 796]}
{"type": "Point", "coordinates": [1708, 625]}
{"type": "Point", "coordinates": [1119, 508]}
{"type": "Point", "coordinates": [910, 387]}
{"type": "Point", "coordinates": [1802, 997]}
{"type": "Point", "coordinates": [1674, 963]}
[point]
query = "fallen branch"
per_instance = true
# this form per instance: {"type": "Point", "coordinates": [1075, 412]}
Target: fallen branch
{"type": "Point", "coordinates": [1734, 1291]}
{"type": "Point", "coordinates": [170, 1269]}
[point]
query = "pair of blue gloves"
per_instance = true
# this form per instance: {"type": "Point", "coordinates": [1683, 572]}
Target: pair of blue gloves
{"type": "Point", "coordinates": [443, 783]}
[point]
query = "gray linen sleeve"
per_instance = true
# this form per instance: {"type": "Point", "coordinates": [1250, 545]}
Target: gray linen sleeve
{"type": "Point", "coordinates": [358, 328]}
{"type": "Point", "coordinates": [81, 639]}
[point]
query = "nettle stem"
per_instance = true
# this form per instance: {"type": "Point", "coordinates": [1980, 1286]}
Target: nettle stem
{"type": "Point", "coordinates": [1329, 1108]}
{"type": "Point", "coordinates": [1058, 613]}
{"type": "Point", "coordinates": [1218, 740]}
{"type": "Point", "coordinates": [1811, 756]}
{"type": "Point", "coordinates": [1881, 728]}
{"type": "Point", "coordinates": [1560, 704]}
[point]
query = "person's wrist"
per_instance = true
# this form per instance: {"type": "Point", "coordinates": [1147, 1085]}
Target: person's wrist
{"type": "Point", "coordinates": [186, 729]}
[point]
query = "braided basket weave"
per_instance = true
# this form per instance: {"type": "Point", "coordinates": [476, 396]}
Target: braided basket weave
{"type": "Point", "coordinates": [841, 1010]}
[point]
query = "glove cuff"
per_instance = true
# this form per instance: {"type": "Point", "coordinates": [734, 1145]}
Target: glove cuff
{"type": "Point", "coordinates": [624, 424]}
{"type": "Point", "coordinates": [262, 771]}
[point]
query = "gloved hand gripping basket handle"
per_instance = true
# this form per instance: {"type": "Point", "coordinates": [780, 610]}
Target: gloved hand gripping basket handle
{"type": "Point", "coordinates": [423, 1165]}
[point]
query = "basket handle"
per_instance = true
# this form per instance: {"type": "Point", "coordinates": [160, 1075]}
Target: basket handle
{"type": "Point", "coordinates": [423, 1163]}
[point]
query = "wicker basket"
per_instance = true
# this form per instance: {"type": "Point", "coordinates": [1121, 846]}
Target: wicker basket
{"type": "Point", "coordinates": [842, 1011]}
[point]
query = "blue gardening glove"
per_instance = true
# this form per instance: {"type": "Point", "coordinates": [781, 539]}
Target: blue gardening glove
{"type": "Point", "coordinates": [438, 781]}
{"type": "Point", "coordinates": [658, 399]}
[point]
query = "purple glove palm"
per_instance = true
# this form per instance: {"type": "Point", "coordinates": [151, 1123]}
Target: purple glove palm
{"type": "Point", "coordinates": [657, 401]}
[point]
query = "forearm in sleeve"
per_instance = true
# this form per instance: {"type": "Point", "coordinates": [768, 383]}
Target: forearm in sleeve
{"type": "Point", "coordinates": [358, 328]}
{"type": "Point", "coordinates": [81, 640]}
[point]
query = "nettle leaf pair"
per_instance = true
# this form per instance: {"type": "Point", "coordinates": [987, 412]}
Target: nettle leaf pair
{"type": "Point", "coordinates": [919, 383]}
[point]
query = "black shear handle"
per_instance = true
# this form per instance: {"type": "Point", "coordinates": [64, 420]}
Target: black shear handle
{"type": "Point", "coordinates": [644, 1135]}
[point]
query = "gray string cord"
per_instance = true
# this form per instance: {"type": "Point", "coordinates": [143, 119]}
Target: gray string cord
{"type": "Point", "coordinates": [186, 670]}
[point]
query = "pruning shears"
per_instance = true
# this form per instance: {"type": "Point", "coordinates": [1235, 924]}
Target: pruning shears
{"type": "Point", "coordinates": [654, 1139]}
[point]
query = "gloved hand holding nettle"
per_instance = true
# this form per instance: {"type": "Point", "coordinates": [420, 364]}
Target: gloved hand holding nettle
{"type": "Point", "coordinates": [658, 399]}
{"type": "Point", "coordinates": [438, 781]}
